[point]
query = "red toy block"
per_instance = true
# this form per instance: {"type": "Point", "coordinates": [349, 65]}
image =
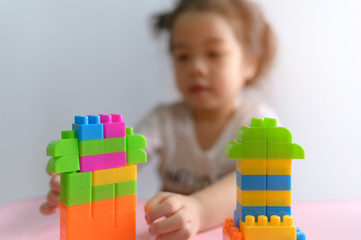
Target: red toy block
{"type": "Point", "coordinates": [103, 208]}
{"type": "Point", "coordinates": [113, 125]}
{"type": "Point", "coordinates": [102, 161]}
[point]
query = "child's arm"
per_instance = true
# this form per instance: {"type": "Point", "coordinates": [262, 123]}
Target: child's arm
{"type": "Point", "coordinates": [187, 215]}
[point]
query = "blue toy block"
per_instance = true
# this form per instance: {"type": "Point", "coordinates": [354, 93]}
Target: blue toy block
{"type": "Point", "coordinates": [254, 211]}
{"type": "Point", "coordinates": [300, 235]}
{"type": "Point", "coordinates": [88, 128]}
{"type": "Point", "coordinates": [278, 182]}
{"type": "Point", "coordinates": [251, 182]}
{"type": "Point", "coordinates": [279, 211]}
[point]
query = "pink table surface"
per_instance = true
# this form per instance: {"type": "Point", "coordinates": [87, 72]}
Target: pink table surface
{"type": "Point", "coordinates": [22, 220]}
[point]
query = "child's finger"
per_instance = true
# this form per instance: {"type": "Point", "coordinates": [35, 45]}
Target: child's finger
{"type": "Point", "coordinates": [53, 198]}
{"type": "Point", "coordinates": [173, 223]}
{"type": "Point", "coordinates": [156, 200]}
{"type": "Point", "coordinates": [166, 208]}
{"type": "Point", "coordinates": [55, 183]}
{"type": "Point", "coordinates": [181, 234]}
{"type": "Point", "coordinates": [47, 209]}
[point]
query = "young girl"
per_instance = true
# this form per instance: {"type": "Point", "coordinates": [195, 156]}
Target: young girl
{"type": "Point", "coordinates": [218, 48]}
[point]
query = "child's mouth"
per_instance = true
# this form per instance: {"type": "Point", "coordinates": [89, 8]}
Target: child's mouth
{"type": "Point", "coordinates": [198, 89]}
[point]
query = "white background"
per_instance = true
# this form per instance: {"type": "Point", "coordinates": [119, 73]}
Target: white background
{"type": "Point", "coordinates": [64, 58]}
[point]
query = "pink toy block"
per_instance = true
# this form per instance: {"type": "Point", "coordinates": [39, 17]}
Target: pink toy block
{"type": "Point", "coordinates": [102, 161]}
{"type": "Point", "coordinates": [113, 125]}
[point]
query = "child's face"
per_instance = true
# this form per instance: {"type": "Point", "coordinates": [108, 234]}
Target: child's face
{"type": "Point", "coordinates": [209, 62]}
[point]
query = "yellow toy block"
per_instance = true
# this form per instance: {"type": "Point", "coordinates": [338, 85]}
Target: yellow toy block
{"type": "Point", "coordinates": [251, 198]}
{"type": "Point", "coordinates": [279, 166]}
{"type": "Point", "coordinates": [278, 198]}
{"type": "Point", "coordinates": [272, 230]}
{"type": "Point", "coordinates": [252, 166]}
{"type": "Point", "coordinates": [115, 175]}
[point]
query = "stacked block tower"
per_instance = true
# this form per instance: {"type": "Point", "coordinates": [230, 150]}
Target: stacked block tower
{"type": "Point", "coordinates": [264, 154]}
{"type": "Point", "coordinates": [98, 178]}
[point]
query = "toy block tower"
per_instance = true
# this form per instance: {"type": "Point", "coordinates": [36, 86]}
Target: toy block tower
{"type": "Point", "coordinates": [264, 154]}
{"type": "Point", "coordinates": [98, 178]}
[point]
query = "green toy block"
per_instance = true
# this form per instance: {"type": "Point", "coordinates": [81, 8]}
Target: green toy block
{"type": "Point", "coordinates": [63, 164]}
{"type": "Point", "coordinates": [247, 134]}
{"type": "Point", "coordinates": [68, 145]}
{"type": "Point", "coordinates": [75, 197]}
{"type": "Point", "coordinates": [103, 192]}
{"type": "Point", "coordinates": [102, 146]}
{"type": "Point", "coordinates": [76, 180]}
{"type": "Point", "coordinates": [136, 156]}
{"type": "Point", "coordinates": [135, 142]}
{"type": "Point", "coordinates": [236, 150]}
{"type": "Point", "coordinates": [279, 135]}
{"type": "Point", "coordinates": [269, 122]}
{"type": "Point", "coordinates": [125, 188]}
{"type": "Point", "coordinates": [285, 151]}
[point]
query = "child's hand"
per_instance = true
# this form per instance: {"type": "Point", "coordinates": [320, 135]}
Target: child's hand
{"type": "Point", "coordinates": [53, 197]}
{"type": "Point", "coordinates": [182, 215]}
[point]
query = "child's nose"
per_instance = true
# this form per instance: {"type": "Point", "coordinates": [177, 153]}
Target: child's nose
{"type": "Point", "coordinates": [198, 67]}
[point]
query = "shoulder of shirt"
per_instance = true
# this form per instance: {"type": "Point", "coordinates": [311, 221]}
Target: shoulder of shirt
{"type": "Point", "coordinates": [250, 107]}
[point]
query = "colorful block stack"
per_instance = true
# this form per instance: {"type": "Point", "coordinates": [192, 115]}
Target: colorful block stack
{"type": "Point", "coordinates": [264, 154]}
{"type": "Point", "coordinates": [98, 178]}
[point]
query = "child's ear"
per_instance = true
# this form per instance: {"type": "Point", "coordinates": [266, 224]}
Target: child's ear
{"type": "Point", "coordinates": [250, 69]}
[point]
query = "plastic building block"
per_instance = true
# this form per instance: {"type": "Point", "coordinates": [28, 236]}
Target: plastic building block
{"type": "Point", "coordinates": [113, 125]}
{"type": "Point", "coordinates": [300, 235]}
{"type": "Point", "coordinates": [64, 154]}
{"type": "Point", "coordinates": [252, 166]}
{"type": "Point", "coordinates": [268, 230]}
{"type": "Point", "coordinates": [98, 187]}
{"type": "Point", "coordinates": [103, 192]}
{"type": "Point", "coordinates": [68, 145]}
{"type": "Point", "coordinates": [75, 180]}
{"type": "Point", "coordinates": [285, 150]}
{"type": "Point", "coordinates": [125, 203]}
{"type": "Point", "coordinates": [251, 182]}
{"type": "Point", "coordinates": [63, 164]}
{"type": "Point", "coordinates": [279, 211]}
{"type": "Point", "coordinates": [135, 143]}
{"type": "Point", "coordinates": [75, 213]}
{"type": "Point", "coordinates": [88, 127]}
{"type": "Point", "coordinates": [251, 198]}
{"type": "Point", "coordinates": [278, 182]}
{"type": "Point", "coordinates": [242, 211]}
{"type": "Point", "coordinates": [279, 166]}
{"type": "Point", "coordinates": [264, 154]}
{"type": "Point", "coordinates": [125, 188]}
{"type": "Point", "coordinates": [102, 161]}
{"type": "Point", "coordinates": [103, 208]}
{"type": "Point", "coordinates": [279, 198]}
{"type": "Point", "coordinates": [75, 197]}
{"type": "Point", "coordinates": [237, 150]}
{"type": "Point", "coordinates": [102, 146]}
{"type": "Point", "coordinates": [115, 175]}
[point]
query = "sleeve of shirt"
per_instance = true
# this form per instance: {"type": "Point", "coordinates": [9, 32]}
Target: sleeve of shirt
{"type": "Point", "coordinates": [150, 128]}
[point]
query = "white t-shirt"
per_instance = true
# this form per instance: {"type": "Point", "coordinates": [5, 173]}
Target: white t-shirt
{"type": "Point", "coordinates": [184, 166]}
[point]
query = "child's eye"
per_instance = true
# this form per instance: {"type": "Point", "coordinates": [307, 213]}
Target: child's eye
{"type": "Point", "coordinates": [214, 54]}
{"type": "Point", "coordinates": [182, 57]}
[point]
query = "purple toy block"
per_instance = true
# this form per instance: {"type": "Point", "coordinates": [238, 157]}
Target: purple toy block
{"type": "Point", "coordinates": [102, 161]}
{"type": "Point", "coordinates": [113, 125]}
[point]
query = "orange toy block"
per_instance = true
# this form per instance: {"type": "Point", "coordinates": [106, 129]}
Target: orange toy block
{"type": "Point", "coordinates": [125, 220]}
{"type": "Point", "coordinates": [125, 203]}
{"type": "Point", "coordinates": [231, 231]}
{"type": "Point", "coordinates": [103, 208]}
{"type": "Point", "coordinates": [80, 230]}
{"type": "Point", "coordinates": [75, 213]}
